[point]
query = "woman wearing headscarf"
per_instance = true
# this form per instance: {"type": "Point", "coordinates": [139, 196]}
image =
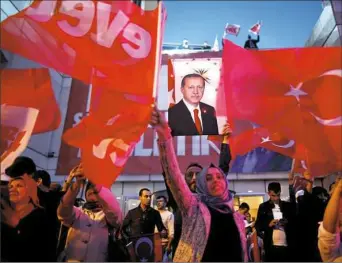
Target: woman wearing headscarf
{"type": "Point", "coordinates": [212, 231]}
{"type": "Point", "coordinates": [25, 231]}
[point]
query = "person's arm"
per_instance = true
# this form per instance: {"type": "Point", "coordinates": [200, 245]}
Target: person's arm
{"type": "Point", "coordinates": [66, 211]}
{"type": "Point", "coordinates": [291, 181]}
{"type": "Point", "coordinates": [126, 223]}
{"type": "Point", "coordinates": [258, 39]}
{"type": "Point", "coordinates": [174, 178]}
{"type": "Point", "coordinates": [225, 155]}
{"type": "Point", "coordinates": [111, 206]}
{"type": "Point", "coordinates": [328, 237]}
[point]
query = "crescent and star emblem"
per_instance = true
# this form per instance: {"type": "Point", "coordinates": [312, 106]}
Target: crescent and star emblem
{"type": "Point", "coordinates": [297, 92]}
{"type": "Point", "coordinates": [140, 241]}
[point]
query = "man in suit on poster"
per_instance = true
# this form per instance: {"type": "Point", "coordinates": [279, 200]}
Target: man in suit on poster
{"type": "Point", "coordinates": [190, 116]}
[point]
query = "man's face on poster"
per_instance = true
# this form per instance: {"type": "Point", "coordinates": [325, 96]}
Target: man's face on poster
{"type": "Point", "coordinates": [193, 90]}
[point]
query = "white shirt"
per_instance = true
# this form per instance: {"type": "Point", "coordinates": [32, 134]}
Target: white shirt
{"type": "Point", "coordinates": [191, 108]}
{"type": "Point", "coordinates": [169, 223]}
{"type": "Point", "coordinates": [279, 235]}
{"type": "Point", "coordinates": [330, 246]}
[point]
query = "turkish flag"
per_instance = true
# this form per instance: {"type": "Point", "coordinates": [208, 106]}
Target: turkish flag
{"type": "Point", "coordinates": [28, 106]}
{"type": "Point", "coordinates": [171, 83]}
{"type": "Point", "coordinates": [233, 29]}
{"type": "Point", "coordinates": [281, 91]}
{"type": "Point", "coordinates": [32, 88]}
{"type": "Point", "coordinates": [108, 135]}
{"type": "Point", "coordinates": [255, 29]}
{"type": "Point", "coordinates": [99, 42]}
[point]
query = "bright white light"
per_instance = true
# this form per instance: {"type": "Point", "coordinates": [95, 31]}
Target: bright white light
{"type": "Point", "coordinates": [250, 191]}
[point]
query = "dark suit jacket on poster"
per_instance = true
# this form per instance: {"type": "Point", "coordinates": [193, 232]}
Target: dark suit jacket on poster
{"type": "Point", "coordinates": [181, 122]}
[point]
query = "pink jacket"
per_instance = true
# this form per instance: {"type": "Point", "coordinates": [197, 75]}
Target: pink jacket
{"type": "Point", "coordinates": [195, 214]}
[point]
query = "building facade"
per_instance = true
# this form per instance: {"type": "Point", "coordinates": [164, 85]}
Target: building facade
{"type": "Point", "coordinates": [51, 154]}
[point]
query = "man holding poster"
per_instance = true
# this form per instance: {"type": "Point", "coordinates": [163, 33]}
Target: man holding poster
{"type": "Point", "coordinates": [190, 116]}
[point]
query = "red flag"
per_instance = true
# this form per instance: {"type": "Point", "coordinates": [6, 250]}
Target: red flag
{"type": "Point", "coordinates": [31, 88]}
{"type": "Point", "coordinates": [108, 135]}
{"type": "Point", "coordinates": [281, 91]}
{"type": "Point", "coordinates": [255, 29]}
{"type": "Point", "coordinates": [28, 106]}
{"type": "Point", "coordinates": [233, 29]}
{"type": "Point", "coordinates": [171, 84]}
{"type": "Point", "coordinates": [115, 38]}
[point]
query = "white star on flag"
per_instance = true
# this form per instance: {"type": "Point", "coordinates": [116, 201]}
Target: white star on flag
{"type": "Point", "coordinates": [296, 92]}
{"type": "Point", "coordinates": [264, 140]}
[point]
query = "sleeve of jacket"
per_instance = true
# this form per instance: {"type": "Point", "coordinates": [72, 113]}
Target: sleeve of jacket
{"type": "Point", "coordinates": [174, 178]}
{"type": "Point", "coordinates": [262, 222]}
{"type": "Point", "coordinates": [225, 157]}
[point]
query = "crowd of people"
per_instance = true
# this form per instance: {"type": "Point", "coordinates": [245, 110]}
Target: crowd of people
{"type": "Point", "coordinates": [196, 222]}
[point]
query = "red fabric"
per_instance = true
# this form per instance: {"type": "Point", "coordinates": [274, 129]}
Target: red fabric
{"type": "Point", "coordinates": [108, 135]}
{"type": "Point", "coordinates": [171, 83]}
{"type": "Point", "coordinates": [72, 37]}
{"type": "Point", "coordinates": [255, 28]}
{"type": "Point", "coordinates": [31, 88]}
{"type": "Point", "coordinates": [257, 86]}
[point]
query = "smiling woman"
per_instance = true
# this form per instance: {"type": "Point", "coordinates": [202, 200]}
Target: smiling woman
{"type": "Point", "coordinates": [24, 225]}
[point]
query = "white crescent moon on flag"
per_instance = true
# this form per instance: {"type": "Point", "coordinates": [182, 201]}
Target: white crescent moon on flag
{"type": "Point", "coordinates": [333, 72]}
{"type": "Point", "coordinates": [329, 122]}
{"type": "Point", "coordinates": [288, 145]}
{"type": "Point", "coordinates": [338, 120]}
{"type": "Point", "coordinates": [146, 240]}
{"type": "Point", "coordinates": [303, 164]}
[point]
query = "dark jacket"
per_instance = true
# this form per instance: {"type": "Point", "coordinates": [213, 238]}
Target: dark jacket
{"type": "Point", "coordinates": [138, 222]}
{"type": "Point", "coordinates": [181, 122]}
{"type": "Point", "coordinates": [265, 216]}
{"type": "Point", "coordinates": [32, 240]}
{"type": "Point", "coordinates": [225, 158]}
{"type": "Point", "coordinates": [252, 43]}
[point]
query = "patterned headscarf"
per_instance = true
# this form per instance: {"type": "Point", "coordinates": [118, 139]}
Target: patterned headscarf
{"type": "Point", "coordinates": [31, 187]}
{"type": "Point", "coordinates": [219, 203]}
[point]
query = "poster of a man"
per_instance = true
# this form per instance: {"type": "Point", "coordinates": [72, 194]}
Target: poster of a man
{"type": "Point", "coordinates": [190, 116]}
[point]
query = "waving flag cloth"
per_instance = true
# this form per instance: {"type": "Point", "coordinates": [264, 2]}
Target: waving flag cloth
{"type": "Point", "coordinates": [293, 92]}
{"type": "Point", "coordinates": [255, 29]}
{"type": "Point", "coordinates": [233, 29]}
{"type": "Point", "coordinates": [28, 106]}
{"type": "Point", "coordinates": [76, 37]}
{"type": "Point", "coordinates": [117, 120]}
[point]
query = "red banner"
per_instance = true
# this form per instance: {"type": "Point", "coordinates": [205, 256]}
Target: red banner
{"type": "Point", "coordinates": [79, 38]}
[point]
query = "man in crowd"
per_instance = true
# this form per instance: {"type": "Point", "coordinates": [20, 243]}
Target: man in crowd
{"type": "Point", "coordinates": [272, 222]}
{"type": "Point", "coordinates": [143, 219]}
{"type": "Point", "coordinates": [190, 116]}
{"type": "Point", "coordinates": [252, 43]}
{"type": "Point", "coordinates": [168, 222]}
{"type": "Point", "coordinates": [87, 239]}
{"type": "Point", "coordinates": [243, 209]}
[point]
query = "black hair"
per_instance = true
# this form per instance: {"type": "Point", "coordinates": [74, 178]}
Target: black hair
{"type": "Point", "coordinates": [142, 190]}
{"type": "Point", "coordinates": [44, 175]}
{"type": "Point", "coordinates": [194, 165]}
{"type": "Point", "coordinates": [162, 196]}
{"type": "Point", "coordinates": [275, 187]}
{"type": "Point", "coordinates": [193, 75]}
{"type": "Point", "coordinates": [244, 206]}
